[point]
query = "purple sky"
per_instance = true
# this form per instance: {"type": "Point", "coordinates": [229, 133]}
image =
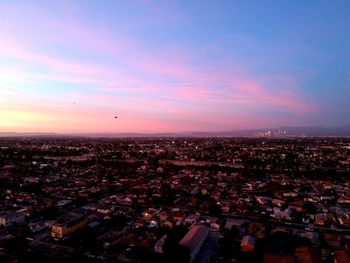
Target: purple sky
{"type": "Point", "coordinates": [71, 66]}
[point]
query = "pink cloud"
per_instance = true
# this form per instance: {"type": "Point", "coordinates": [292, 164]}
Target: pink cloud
{"type": "Point", "coordinates": [13, 90]}
{"type": "Point", "coordinates": [158, 83]}
{"type": "Point", "coordinates": [96, 114]}
{"type": "Point", "coordinates": [15, 52]}
{"type": "Point", "coordinates": [282, 99]}
{"type": "Point", "coordinates": [194, 84]}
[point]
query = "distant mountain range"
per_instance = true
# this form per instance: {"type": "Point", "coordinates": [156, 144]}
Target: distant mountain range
{"type": "Point", "coordinates": [291, 131]}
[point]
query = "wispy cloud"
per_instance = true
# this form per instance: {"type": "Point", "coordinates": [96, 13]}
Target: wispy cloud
{"type": "Point", "coordinates": [146, 84]}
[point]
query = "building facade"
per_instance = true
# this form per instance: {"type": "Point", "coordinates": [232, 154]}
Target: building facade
{"type": "Point", "coordinates": [66, 226]}
{"type": "Point", "coordinates": [10, 218]}
{"type": "Point", "coordinates": [194, 240]}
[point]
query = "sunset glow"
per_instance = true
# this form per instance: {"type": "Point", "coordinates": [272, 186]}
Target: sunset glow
{"type": "Point", "coordinates": [168, 66]}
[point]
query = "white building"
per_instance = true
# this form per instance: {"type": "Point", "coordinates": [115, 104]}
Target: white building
{"type": "Point", "coordinates": [194, 240]}
{"type": "Point", "coordinates": [10, 218]}
{"type": "Point", "coordinates": [191, 219]}
{"type": "Point", "coordinates": [279, 214]}
{"type": "Point", "coordinates": [158, 246]}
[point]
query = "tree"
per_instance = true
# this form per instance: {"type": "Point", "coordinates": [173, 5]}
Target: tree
{"type": "Point", "coordinates": [215, 210]}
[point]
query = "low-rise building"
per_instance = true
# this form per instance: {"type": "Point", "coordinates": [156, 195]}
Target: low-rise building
{"type": "Point", "coordinates": [194, 240]}
{"type": "Point", "coordinates": [68, 225]}
{"type": "Point", "coordinates": [10, 218]}
{"type": "Point", "coordinates": [248, 243]}
{"type": "Point", "coordinates": [158, 246]}
{"type": "Point", "coordinates": [308, 255]}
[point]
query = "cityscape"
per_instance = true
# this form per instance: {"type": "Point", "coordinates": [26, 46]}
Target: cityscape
{"type": "Point", "coordinates": [175, 199]}
{"type": "Point", "coordinates": [174, 131]}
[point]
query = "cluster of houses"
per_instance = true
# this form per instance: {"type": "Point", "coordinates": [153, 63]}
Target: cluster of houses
{"type": "Point", "coordinates": [131, 194]}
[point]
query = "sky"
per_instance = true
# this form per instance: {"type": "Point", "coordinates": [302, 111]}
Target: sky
{"type": "Point", "coordinates": [171, 66]}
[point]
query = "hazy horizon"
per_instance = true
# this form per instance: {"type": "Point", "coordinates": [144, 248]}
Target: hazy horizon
{"type": "Point", "coordinates": [278, 132]}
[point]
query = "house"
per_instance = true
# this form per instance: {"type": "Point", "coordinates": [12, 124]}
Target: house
{"type": "Point", "coordinates": [158, 246]}
{"type": "Point", "coordinates": [214, 222]}
{"type": "Point", "coordinates": [308, 255]}
{"type": "Point", "coordinates": [341, 256]}
{"type": "Point", "coordinates": [333, 240]}
{"type": "Point", "coordinates": [140, 222]}
{"type": "Point", "coordinates": [225, 206]}
{"type": "Point", "coordinates": [344, 200]}
{"type": "Point", "coordinates": [248, 243]}
{"type": "Point", "coordinates": [320, 219]}
{"type": "Point", "coordinates": [36, 227]}
{"type": "Point", "coordinates": [106, 210]}
{"type": "Point", "coordinates": [168, 224]}
{"type": "Point", "coordinates": [64, 204]}
{"type": "Point", "coordinates": [344, 219]}
{"type": "Point", "coordinates": [290, 194]}
{"type": "Point", "coordinates": [312, 236]}
{"type": "Point", "coordinates": [179, 216]}
{"type": "Point", "coordinates": [270, 258]}
{"type": "Point", "coordinates": [298, 206]}
{"type": "Point", "coordinates": [149, 213]}
{"type": "Point", "coordinates": [91, 207]}
{"type": "Point", "coordinates": [278, 202]}
{"type": "Point", "coordinates": [279, 214]}
{"type": "Point", "coordinates": [234, 222]}
{"type": "Point", "coordinates": [164, 215]}
{"type": "Point", "coordinates": [192, 218]}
